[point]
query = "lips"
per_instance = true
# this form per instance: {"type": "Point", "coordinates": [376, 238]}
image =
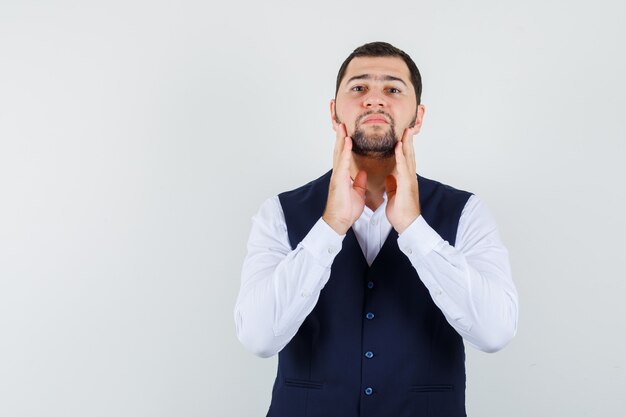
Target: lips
{"type": "Point", "coordinates": [375, 118]}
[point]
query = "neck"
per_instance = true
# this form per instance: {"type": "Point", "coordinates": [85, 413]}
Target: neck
{"type": "Point", "coordinates": [377, 171]}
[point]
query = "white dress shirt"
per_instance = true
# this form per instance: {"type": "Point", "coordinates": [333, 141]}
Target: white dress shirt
{"type": "Point", "coordinates": [470, 282]}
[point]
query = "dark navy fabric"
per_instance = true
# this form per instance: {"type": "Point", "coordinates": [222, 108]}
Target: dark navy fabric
{"type": "Point", "coordinates": [375, 345]}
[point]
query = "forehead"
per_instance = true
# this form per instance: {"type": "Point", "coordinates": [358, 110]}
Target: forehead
{"type": "Point", "coordinates": [374, 66]}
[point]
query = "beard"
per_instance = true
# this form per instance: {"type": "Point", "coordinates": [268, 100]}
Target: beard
{"type": "Point", "coordinates": [379, 143]}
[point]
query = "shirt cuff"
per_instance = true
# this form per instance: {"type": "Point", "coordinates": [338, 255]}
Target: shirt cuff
{"type": "Point", "coordinates": [419, 238]}
{"type": "Point", "coordinates": [323, 243]}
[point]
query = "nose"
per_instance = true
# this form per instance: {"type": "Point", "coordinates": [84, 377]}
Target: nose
{"type": "Point", "coordinates": [374, 100]}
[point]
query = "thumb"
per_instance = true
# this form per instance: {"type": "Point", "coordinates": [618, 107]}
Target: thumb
{"type": "Point", "coordinates": [360, 183]}
{"type": "Point", "coordinates": [391, 185]}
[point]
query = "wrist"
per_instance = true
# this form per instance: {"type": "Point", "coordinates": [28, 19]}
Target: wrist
{"type": "Point", "coordinates": [339, 227]}
{"type": "Point", "coordinates": [403, 225]}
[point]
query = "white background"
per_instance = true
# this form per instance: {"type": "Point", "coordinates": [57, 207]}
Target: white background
{"type": "Point", "coordinates": [137, 139]}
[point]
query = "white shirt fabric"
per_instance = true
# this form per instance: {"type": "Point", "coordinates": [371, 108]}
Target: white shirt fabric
{"type": "Point", "coordinates": [470, 282]}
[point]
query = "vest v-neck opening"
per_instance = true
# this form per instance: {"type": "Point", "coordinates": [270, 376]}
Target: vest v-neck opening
{"type": "Point", "coordinates": [385, 247]}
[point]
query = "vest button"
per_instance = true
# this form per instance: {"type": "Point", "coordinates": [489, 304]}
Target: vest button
{"type": "Point", "coordinates": [369, 316]}
{"type": "Point", "coordinates": [368, 391]}
{"type": "Point", "coordinates": [369, 355]}
{"type": "Point", "coordinates": [370, 285]}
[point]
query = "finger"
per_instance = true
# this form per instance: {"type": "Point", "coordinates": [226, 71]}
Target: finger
{"type": "Point", "coordinates": [360, 183]}
{"type": "Point", "coordinates": [345, 157]}
{"type": "Point", "coordinates": [353, 166]}
{"type": "Point", "coordinates": [409, 150]}
{"type": "Point", "coordinates": [339, 142]}
{"type": "Point", "coordinates": [401, 163]}
{"type": "Point", "coordinates": [391, 185]}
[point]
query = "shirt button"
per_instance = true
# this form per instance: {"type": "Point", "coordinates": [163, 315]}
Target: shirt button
{"type": "Point", "coordinates": [370, 285]}
{"type": "Point", "coordinates": [331, 250]}
{"type": "Point", "coordinates": [369, 391]}
{"type": "Point", "coordinates": [438, 291]}
{"type": "Point", "coordinates": [369, 316]}
{"type": "Point", "coordinates": [409, 251]}
{"type": "Point", "coordinates": [369, 355]}
{"type": "Point", "coordinates": [305, 293]}
{"type": "Point", "coordinates": [373, 222]}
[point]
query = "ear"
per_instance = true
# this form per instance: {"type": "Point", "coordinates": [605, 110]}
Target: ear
{"type": "Point", "coordinates": [332, 115]}
{"type": "Point", "coordinates": [418, 120]}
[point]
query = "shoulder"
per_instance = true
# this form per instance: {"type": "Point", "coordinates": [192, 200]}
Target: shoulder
{"type": "Point", "coordinates": [442, 206]}
{"type": "Point", "coordinates": [318, 185]}
{"type": "Point", "coordinates": [429, 186]}
{"type": "Point", "coordinates": [302, 207]}
{"type": "Point", "coordinates": [476, 214]}
{"type": "Point", "coordinates": [270, 215]}
{"type": "Point", "coordinates": [269, 207]}
{"type": "Point", "coordinates": [438, 194]}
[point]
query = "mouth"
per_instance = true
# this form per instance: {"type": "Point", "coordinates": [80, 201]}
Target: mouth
{"type": "Point", "coordinates": [375, 119]}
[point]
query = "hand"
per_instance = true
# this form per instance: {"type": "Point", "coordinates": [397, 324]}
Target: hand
{"type": "Point", "coordinates": [346, 199]}
{"type": "Point", "coordinates": [403, 203]}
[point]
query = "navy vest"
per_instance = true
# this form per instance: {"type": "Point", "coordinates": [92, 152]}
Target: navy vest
{"type": "Point", "coordinates": [375, 345]}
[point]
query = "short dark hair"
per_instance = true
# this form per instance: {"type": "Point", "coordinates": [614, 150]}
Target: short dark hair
{"type": "Point", "coordinates": [380, 49]}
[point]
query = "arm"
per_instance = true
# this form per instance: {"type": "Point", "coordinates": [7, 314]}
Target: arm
{"type": "Point", "coordinates": [280, 286]}
{"type": "Point", "coordinates": [471, 282]}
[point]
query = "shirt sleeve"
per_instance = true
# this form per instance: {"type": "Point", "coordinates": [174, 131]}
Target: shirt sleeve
{"type": "Point", "coordinates": [470, 282]}
{"type": "Point", "coordinates": [280, 286]}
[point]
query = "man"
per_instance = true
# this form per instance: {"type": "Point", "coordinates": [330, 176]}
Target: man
{"type": "Point", "coordinates": [367, 280]}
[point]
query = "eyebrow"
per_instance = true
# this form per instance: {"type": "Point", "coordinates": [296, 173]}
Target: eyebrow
{"type": "Point", "coordinates": [371, 77]}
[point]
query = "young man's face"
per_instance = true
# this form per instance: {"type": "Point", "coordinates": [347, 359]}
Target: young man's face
{"type": "Point", "coordinates": [376, 101]}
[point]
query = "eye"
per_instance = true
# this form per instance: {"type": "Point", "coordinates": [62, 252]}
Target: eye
{"type": "Point", "coordinates": [357, 88]}
{"type": "Point", "coordinates": [394, 90]}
